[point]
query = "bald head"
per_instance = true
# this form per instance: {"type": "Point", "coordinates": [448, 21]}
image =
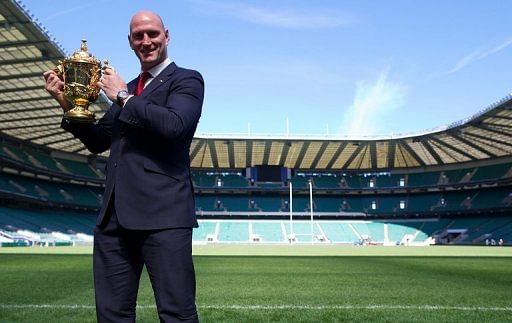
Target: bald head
{"type": "Point", "coordinates": [148, 38]}
{"type": "Point", "coordinates": [146, 15]}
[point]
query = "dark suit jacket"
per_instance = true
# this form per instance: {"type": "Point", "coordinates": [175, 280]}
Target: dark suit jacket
{"type": "Point", "coordinates": [148, 171]}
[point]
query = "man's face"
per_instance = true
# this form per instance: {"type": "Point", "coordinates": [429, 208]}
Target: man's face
{"type": "Point", "coordinates": [149, 40]}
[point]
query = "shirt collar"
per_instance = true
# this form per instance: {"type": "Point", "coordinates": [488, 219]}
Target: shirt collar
{"type": "Point", "coordinates": [157, 69]}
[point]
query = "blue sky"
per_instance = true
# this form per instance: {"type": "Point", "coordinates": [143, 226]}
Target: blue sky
{"type": "Point", "coordinates": [343, 68]}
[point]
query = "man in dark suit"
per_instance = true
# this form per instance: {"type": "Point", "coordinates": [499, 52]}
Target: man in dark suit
{"type": "Point", "coordinates": [148, 208]}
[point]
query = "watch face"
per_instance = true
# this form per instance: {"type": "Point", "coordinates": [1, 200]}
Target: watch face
{"type": "Point", "coordinates": [122, 95]}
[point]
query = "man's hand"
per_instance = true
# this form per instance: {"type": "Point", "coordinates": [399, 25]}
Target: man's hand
{"type": "Point", "coordinates": [111, 83]}
{"type": "Point", "coordinates": [55, 86]}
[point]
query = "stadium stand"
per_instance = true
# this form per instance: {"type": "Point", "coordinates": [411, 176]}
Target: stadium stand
{"type": "Point", "coordinates": [63, 193]}
{"type": "Point", "coordinates": [26, 157]}
{"type": "Point", "coordinates": [230, 231]}
{"type": "Point", "coordinates": [268, 231]}
{"type": "Point", "coordinates": [340, 232]}
{"type": "Point", "coordinates": [449, 185]}
{"type": "Point", "coordinates": [423, 179]}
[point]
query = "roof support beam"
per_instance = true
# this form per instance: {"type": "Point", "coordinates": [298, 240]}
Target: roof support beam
{"type": "Point", "coordinates": [231, 153]}
{"type": "Point", "coordinates": [21, 111]}
{"type": "Point", "coordinates": [336, 155]}
{"type": "Point", "coordinates": [373, 154]}
{"type": "Point", "coordinates": [203, 147]}
{"type": "Point", "coordinates": [496, 124]}
{"type": "Point", "coordinates": [36, 125]}
{"type": "Point", "coordinates": [502, 117]}
{"type": "Point", "coordinates": [248, 154]}
{"type": "Point", "coordinates": [506, 143]}
{"type": "Point", "coordinates": [266, 152]}
{"type": "Point", "coordinates": [22, 89]}
{"type": "Point", "coordinates": [62, 140]}
{"type": "Point", "coordinates": [25, 100]}
{"type": "Point", "coordinates": [37, 136]}
{"type": "Point", "coordinates": [198, 146]}
{"type": "Point", "coordinates": [16, 44]}
{"type": "Point", "coordinates": [353, 156]}
{"type": "Point", "coordinates": [19, 76]}
{"type": "Point", "coordinates": [391, 153]}
{"type": "Point", "coordinates": [462, 152]}
{"type": "Point", "coordinates": [495, 130]}
{"type": "Point", "coordinates": [303, 150]}
{"type": "Point", "coordinates": [35, 59]}
{"type": "Point", "coordinates": [35, 119]}
{"type": "Point", "coordinates": [24, 134]}
{"type": "Point", "coordinates": [79, 148]}
{"type": "Point", "coordinates": [213, 153]}
{"type": "Point", "coordinates": [472, 145]}
{"type": "Point", "coordinates": [319, 154]}
{"type": "Point", "coordinates": [431, 150]}
{"type": "Point", "coordinates": [412, 153]}
{"type": "Point", "coordinates": [286, 148]}
{"type": "Point", "coordinates": [364, 154]}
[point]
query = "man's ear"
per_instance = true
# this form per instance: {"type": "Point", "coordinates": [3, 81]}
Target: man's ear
{"type": "Point", "coordinates": [130, 41]}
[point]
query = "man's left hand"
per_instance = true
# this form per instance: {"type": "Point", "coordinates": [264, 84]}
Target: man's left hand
{"type": "Point", "coordinates": [111, 83]}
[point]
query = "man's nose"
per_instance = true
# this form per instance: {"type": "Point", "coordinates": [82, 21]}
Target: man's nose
{"type": "Point", "coordinates": [146, 40]}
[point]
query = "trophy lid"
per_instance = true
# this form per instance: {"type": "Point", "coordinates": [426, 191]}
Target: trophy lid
{"type": "Point", "coordinates": [83, 55]}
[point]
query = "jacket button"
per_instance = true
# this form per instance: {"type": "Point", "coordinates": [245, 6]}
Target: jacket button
{"type": "Point", "coordinates": [115, 164]}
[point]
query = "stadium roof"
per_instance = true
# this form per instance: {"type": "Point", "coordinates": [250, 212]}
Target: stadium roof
{"type": "Point", "coordinates": [29, 114]}
{"type": "Point", "coordinates": [27, 111]}
{"type": "Point", "coordinates": [485, 136]}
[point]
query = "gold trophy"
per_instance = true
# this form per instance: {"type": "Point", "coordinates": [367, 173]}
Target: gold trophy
{"type": "Point", "coordinates": [80, 72]}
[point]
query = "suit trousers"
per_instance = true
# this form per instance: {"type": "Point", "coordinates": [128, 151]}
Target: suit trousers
{"type": "Point", "coordinates": [118, 259]}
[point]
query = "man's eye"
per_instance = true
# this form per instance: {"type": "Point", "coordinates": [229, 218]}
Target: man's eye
{"type": "Point", "coordinates": [153, 34]}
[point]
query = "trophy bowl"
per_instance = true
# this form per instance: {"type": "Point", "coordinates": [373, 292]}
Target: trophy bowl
{"type": "Point", "coordinates": [80, 73]}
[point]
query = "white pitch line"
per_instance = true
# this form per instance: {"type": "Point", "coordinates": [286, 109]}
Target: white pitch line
{"type": "Point", "coordinates": [281, 307]}
{"type": "Point", "coordinates": [356, 307]}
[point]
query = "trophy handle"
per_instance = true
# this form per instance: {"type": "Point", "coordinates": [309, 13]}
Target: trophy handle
{"type": "Point", "coordinates": [59, 69]}
{"type": "Point", "coordinates": [106, 65]}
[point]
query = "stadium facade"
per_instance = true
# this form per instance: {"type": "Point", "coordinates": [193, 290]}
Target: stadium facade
{"type": "Point", "coordinates": [450, 185]}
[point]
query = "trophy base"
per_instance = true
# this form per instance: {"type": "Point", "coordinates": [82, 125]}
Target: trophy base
{"type": "Point", "coordinates": [79, 115]}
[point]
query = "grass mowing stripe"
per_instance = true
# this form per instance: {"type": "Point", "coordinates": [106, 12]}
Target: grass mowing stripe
{"type": "Point", "coordinates": [279, 307]}
{"type": "Point", "coordinates": [354, 307]}
{"type": "Point", "coordinates": [300, 250]}
{"type": "Point", "coordinates": [232, 289]}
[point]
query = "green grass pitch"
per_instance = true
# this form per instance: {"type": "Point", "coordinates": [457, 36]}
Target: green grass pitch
{"type": "Point", "coordinates": [281, 284]}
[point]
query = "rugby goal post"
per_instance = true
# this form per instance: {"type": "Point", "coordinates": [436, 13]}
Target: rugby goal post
{"type": "Point", "coordinates": [292, 236]}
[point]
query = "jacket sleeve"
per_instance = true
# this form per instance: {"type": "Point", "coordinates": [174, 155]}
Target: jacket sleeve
{"type": "Point", "coordinates": [177, 116]}
{"type": "Point", "coordinates": [96, 137]}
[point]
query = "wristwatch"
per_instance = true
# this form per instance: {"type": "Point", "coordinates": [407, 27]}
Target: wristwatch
{"type": "Point", "coordinates": [121, 96]}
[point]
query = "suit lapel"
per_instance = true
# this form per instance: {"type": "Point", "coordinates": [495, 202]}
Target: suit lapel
{"type": "Point", "coordinates": [160, 79]}
{"type": "Point", "coordinates": [155, 83]}
{"type": "Point", "coordinates": [131, 85]}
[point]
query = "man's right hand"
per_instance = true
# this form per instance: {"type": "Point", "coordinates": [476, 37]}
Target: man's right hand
{"type": "Point", "coordinates": [55, 86]}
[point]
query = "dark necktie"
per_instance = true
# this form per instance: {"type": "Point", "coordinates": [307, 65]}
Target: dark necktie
{"type": "Point", "coordinates": [143, 77]}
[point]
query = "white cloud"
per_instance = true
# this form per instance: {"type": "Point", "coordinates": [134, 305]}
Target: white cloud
{"type": "Point", "coordinates": [291, 19]}
{"type": "Point", "coordinates": [479, 54]}
{"type": "Point", "coordinates": [64, 12]}
{"type": "Point", "coordinates": [372, 101]}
